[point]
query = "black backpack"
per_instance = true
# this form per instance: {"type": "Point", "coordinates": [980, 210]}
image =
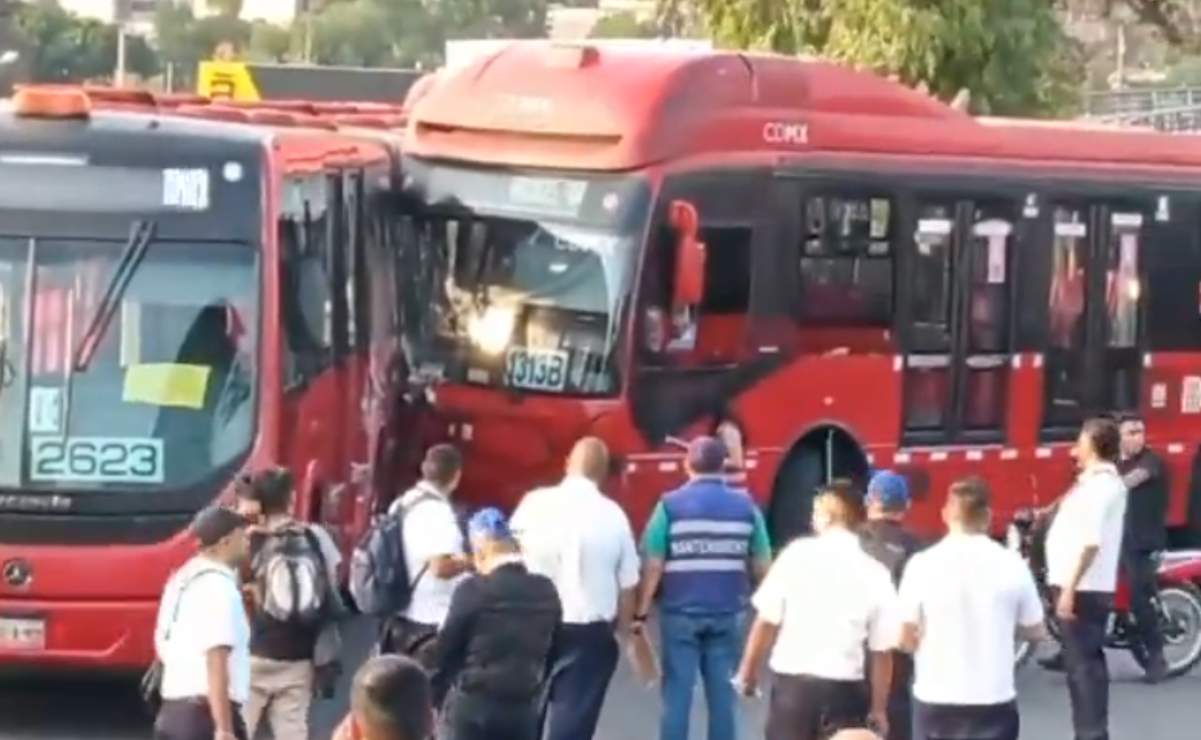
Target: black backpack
{"type": "Point", "coordinates": [380, 582]}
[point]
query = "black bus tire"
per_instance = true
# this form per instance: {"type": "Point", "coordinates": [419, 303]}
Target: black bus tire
{"type": "Point", "coordinates": [790, 514]}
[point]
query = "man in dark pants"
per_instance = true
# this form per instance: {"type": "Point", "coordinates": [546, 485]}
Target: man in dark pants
{"type": "Point", "coordinates": [1144, 535]}
{"type": "Point", "coordinates": [1083, 549]}
{"type": "Point", "coordinates": [497, 642]}
{"type": "Point", "coordinates": [581, 539]}
{"type": "Point", "coordinates": [703, 544]}
{"type": "Point", "coordinates": [885, 538]}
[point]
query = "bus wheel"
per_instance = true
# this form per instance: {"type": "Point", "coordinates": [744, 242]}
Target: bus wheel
{"type": "Point", "coordinates": [791, 511]}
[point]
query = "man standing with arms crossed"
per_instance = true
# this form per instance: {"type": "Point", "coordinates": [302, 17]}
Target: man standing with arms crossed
{"type": "Point", "coordinates": [581, 539]}
{"type": "Point", "coordinates": [1083, 548]}
{"type": "Point", "coordinates": [885, 538]}
{"type": "Point", "coordinates": [1145, 534]}
{"type": "Point", "coordinates": [703, 544]}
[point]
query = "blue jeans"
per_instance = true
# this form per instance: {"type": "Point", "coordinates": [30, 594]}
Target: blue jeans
{"type": "Point", "coordinates": [712, 644]}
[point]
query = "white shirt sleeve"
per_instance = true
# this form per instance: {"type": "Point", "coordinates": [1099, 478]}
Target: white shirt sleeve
{"type": "Point", "coordinates": [771, 600]}
{"type": "Point", "coordinates": [628, 565]}
{"type": "Point", "coordinates": [209, 615]}
{"type": "Point", "coordinates": [883, 630]}
{"type": "Point", "coordinates": [909, 601]}
{"type": "Point", "coordinates": [1030, 606]}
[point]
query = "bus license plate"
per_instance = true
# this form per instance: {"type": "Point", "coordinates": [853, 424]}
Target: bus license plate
{"type": "Point", "coordinates": [536, 369]}
{"type": "Point", "coordinates": [20, 633]}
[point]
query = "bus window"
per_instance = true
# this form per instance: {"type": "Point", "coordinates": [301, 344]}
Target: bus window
{"type": "Point", "coordinates": [1123, 286]}
{"type": "Point", "coordinates": [846, 260]}
{"type": "Point", "coordinates": [305, 293]}
{"type": "Point", "coordinates": [1065, 351]}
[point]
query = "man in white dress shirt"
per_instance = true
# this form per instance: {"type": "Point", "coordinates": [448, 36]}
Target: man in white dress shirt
{"type": "Point", "coordinates": [581, 539]}
{"type": "Point", "coordinates": [963, 602]}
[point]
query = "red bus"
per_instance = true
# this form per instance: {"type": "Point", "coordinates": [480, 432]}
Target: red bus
{"type": "Point", "coordinates": [645, 246]}
{"type": "Point", "coordinates": [181, 300]}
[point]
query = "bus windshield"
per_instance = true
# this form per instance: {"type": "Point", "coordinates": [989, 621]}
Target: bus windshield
{"type": "Point", "coordinates": [167, 394]}
{"type": "Point", "coordinates": [519, 281]}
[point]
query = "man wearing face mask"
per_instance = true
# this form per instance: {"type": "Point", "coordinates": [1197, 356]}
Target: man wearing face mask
{"type": "Point", "coordinates": [816, 621]}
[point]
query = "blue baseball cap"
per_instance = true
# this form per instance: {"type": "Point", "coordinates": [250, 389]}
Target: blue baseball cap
{"type": "Point", "coordinates": [889, 488]}
{"type": "Point", "coordinates": [489, 523]}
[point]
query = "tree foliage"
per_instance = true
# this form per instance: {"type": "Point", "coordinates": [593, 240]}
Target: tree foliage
{"type": "Point", "coordinates": [66, 48]}
{"type": "Point", "coordinates": [624, 26]}
{"type": "Point", "coordinates": [1011, 54]}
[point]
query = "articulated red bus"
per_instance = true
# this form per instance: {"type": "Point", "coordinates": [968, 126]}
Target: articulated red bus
{"type": "Point", "coordinates": [645, 246]}
{"type": "Point", "coordinates": [181, 300]}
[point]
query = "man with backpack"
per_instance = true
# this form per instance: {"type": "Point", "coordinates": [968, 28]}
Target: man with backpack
{"type": "Point", "coordinates": [434, 559]}
{"type": "Point", "coordinates": [293, 583]}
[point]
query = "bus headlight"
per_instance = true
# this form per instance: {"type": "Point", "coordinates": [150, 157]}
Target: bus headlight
{"type": "Point", "coordinates": [492, 330]}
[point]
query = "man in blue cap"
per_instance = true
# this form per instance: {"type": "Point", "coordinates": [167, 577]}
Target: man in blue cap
{"type": "Point", "coordinates": [885, 538]}
{"type": "Point", "coordinates": [497, 642]}
{"type": "Point", "coordinates": [704, 543]}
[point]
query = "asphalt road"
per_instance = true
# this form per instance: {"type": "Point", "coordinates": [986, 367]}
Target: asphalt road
{"type": "Point", "coordinates": [77, 709]}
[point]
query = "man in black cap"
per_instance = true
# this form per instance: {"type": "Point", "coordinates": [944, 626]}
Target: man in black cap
{"type": "Point", "coordinates": [704, 543]}
{"type": "Point", "coordinates": [202, 636]}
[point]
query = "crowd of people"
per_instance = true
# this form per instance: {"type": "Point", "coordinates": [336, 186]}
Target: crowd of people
{"type": "Point", "coordinates": [513, 627]}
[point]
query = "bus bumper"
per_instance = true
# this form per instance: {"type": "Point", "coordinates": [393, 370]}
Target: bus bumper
{"type": "Point", "coordinates": [89, 635]}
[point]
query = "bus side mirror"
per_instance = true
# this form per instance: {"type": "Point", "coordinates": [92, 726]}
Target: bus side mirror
{"type": "Point", "coordinates": [690, 255]}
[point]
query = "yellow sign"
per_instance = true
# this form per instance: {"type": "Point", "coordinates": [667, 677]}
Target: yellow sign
{"type": "Point", "coordinates": [227, 81]}
{"type": "Point", "coordinates": [167, 384]}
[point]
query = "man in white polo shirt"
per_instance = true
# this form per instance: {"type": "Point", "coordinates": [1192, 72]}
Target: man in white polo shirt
{"type": "Point", "coordinates": [963, 601]}
{"type": "Point", "coordinates": [202, 636]}
{"type": "Point", "coordinates": [1084, 546]}
{"type": "Point", "coordinates": [581, 539]}
{"type": "Point", "coordinates": [823, 602]}
{"type": "Point", "coordinates": [434, 554]}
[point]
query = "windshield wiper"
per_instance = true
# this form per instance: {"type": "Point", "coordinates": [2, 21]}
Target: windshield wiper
{"type": "Point", "coordinates": [140, 237]}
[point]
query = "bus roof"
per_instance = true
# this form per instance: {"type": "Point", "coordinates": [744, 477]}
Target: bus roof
{"type": "Point", "coordinates": [541, 104]}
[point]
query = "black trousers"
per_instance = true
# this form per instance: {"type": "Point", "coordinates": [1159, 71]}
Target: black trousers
{"type": "Point", "coordinates": [1084, 660]}
{"type": "Point", "coordinates": [401, 635]}
{"type": "Point", "coordinates": [587, 658]}
{"type": "Point", "coordinates": [191, 719]}
{"type": "Point", "coordinates": [900, 698]}
{"type": "Point", "coordinates": [1141, 573]}
{"type": "Point", "coordinates": [476, 717]}
{"type": "Point", "coordinates": [811, 708]}
{"type": "Point", "coordinates": [966, 721]}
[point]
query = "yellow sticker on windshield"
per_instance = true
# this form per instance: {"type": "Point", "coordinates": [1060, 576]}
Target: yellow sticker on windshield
{"type": "Point", "coordinates": [167, 384]}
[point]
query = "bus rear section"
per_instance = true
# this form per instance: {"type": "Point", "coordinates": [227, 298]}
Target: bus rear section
{"type": "Point", "coordinates": [166, 288]}
{"type": "Point", "coordinates": [847, 272]}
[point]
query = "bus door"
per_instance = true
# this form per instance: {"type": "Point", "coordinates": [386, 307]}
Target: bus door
{"type": "Point", "coordinates": [1092, 359]}
{"type": "Point", "coordinates": [955, 313]}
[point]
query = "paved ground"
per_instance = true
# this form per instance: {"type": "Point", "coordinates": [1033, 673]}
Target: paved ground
{"type": "Point", "coordinates": [82, 710]}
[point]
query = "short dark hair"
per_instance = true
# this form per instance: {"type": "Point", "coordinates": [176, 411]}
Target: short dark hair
{"type": "Point", "coordinates": [1104, 436]}
{"type": "Point", "coordinates": [973, 497]}
{"type": "Point", "coordinates": [848, 499]}
{"type": "Point", "coordinates": [391, 695]}
{"type": "Point", "coordinates": [272, 488]}
{"type": "Point", "coordinates": [442, 464]}
{"type": "Point", "coordinates": [1128, 417]}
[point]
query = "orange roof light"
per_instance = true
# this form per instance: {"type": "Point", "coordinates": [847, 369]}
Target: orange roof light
{"type": "Point", "coordinates": [52, 102]}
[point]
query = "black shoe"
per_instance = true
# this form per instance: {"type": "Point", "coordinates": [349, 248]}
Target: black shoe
{"type": "Point", "coordinates": [1157, 670]}
{"type": "Point", "coordinates": [1053, 663]}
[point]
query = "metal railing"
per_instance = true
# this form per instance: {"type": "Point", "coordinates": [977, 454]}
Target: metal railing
{"type": "Point", "coordinates": [1173, 110]}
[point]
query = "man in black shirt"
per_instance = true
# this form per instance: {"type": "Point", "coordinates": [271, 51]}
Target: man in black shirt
{"type": "Point", "coordinates": [497, 642]}
{"type": "Point", "coordinates": [1144, 535]}
{"type": "Point", "coordinates": [885, 538]}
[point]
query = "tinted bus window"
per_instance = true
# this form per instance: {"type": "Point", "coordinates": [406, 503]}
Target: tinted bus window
{"type": "Point", "coordinates": [846, 260]}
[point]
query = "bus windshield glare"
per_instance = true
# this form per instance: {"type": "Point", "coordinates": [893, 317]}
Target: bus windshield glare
{"type": "Point", "coordinates": [519, 281]}
{"type": "Point", "coordinates": [167, 396]}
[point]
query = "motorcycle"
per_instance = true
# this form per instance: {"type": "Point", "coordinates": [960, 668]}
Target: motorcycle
{"type": "Point", "coordinates": [1177, 601]}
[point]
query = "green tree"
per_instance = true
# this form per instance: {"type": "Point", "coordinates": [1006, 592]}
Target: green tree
{"type": "Point", "coordinates": [66, 48]}
{"type": "Point", "coordinates": [270, 43]}
{"type": "Point", "coordinates": [353, 34]}
{"type": "Point", "coordinates": [1012, 55]}
{"type": "Point", "coordinates": [226, 8]}
{"type": "Point", "coordinates": [624, 26]}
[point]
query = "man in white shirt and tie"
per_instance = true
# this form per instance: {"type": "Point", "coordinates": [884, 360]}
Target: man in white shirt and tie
{"type": "Point", "coordinates": [581, 539]}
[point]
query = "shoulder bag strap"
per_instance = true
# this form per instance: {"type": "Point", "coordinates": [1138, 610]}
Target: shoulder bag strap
{"type": "Point", "coordinates": [179, 599]}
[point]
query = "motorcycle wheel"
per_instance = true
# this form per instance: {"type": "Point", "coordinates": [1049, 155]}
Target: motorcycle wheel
{"type": "Point", "coordinates": [1180, 625]}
